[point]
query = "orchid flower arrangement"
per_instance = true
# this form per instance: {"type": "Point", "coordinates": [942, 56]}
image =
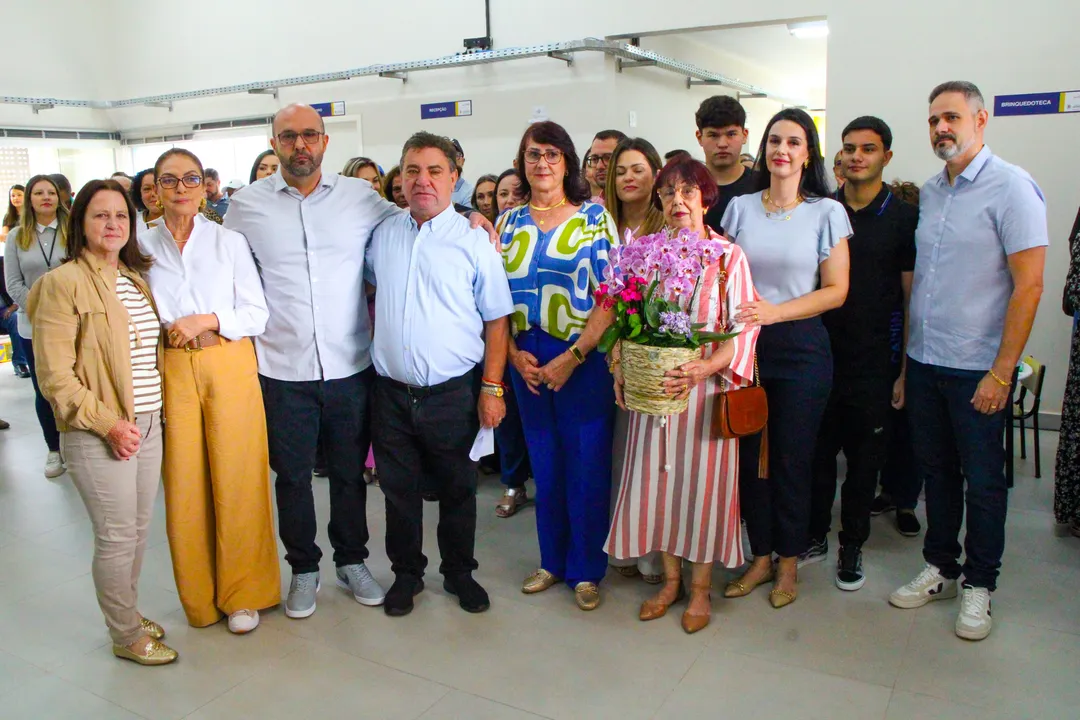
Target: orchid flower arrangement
{"type": "Point", "coordinates": [650, 282]}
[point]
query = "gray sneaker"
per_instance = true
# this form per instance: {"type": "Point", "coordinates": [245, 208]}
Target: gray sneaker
{"type": "Point", "coordinates": [357, 579]}
{"type": "Point", "coordinates": [302, 591]}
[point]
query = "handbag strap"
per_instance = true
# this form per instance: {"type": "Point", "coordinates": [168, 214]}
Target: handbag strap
{"type": "Point", "coordinates": [724, 307]}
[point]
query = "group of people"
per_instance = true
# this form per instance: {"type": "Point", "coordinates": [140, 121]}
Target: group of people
{"type": "Point", "coordinates": [254, 340]}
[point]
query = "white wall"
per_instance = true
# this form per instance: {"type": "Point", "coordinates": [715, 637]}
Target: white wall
{"type": "Point", "coordinates": [883, 59]}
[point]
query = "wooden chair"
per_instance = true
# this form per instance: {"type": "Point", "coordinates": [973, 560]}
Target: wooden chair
{"type": "Point", "coordinates": [1032, 386]}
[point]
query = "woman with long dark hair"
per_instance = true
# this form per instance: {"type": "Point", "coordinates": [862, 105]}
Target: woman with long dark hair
{"type": "Point", "coordinates": [795, 238]}
{"type": "Point", "coordinates": [483, 196]}
{"type": "Point", "coordinates": [265, 165]}
{"type": "Point", "coordinates": [16, 197]}
{"type": "Point", "coordinates": [556, 252]}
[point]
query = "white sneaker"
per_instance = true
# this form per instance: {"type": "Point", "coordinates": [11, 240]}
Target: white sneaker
{"type": "Point", "coordinates": [974, 622]}
{"type": "Point", "coordinates": [54, 465]}
{"type": "Point", "coordinates": [242, 622]}
{"type": "Point", "coordinates": [928, 586]}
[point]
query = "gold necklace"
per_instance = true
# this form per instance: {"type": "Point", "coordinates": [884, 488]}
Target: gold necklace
{"type": "Point", "coordinates": [547, 209]}
{"type": "Point", "coordinates": [780, 209]}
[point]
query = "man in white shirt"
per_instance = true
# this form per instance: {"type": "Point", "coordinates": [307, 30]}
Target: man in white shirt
{"type": "Point", "coordinates": [442, 308]}
{"type": "Point", "coordinates": [308, 232]}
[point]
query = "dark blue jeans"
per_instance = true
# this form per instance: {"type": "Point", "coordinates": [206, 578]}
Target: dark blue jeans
{"type": "Point", "coordinates": [899, 479]}
{"type": "Point", "coordinates": [510, 439]}
{"type": "Point", "coordinates": [297, 415]}
{"type": "Point", "coordinates": [44, 410]}
{"type": "Point", "coordinates": [953, 443]}
{"type": "Point", "coordinates": [10, 327]}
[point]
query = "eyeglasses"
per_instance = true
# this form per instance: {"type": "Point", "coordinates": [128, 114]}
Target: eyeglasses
{"type": "Point", "coordinates": [551, 156]}
{"type": "Point", "coordinates": [288, 138]}
{"type": "Point", "coordinates": [169, 182]}
{"type": "Point", "coordinates": [595, 160]}
{"type": "Point", "coordinates": [688, 192]}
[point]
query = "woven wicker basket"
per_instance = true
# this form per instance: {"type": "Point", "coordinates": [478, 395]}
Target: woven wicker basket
{"type": "Point", "coordinates": [643, 368]}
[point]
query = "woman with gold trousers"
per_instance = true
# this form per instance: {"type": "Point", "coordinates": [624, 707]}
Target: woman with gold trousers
{"type": "Point", "coordinates": [218, 511]}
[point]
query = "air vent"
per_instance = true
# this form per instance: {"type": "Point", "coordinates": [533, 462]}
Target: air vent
{"type": "Point", "coordinates": [59, 134]}
{"type": "Point", "coordinates": [230, 124]}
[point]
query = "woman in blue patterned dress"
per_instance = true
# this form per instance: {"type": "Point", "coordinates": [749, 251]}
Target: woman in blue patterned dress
{"type": "Point", "coordinates": [556, 250]}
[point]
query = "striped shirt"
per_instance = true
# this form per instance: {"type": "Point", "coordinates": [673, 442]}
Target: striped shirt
{"type": "Point", "coordinates": [144, 330]}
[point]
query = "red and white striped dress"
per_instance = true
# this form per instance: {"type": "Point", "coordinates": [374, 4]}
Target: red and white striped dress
{"type": "Point", "coordinates": [679, 490]}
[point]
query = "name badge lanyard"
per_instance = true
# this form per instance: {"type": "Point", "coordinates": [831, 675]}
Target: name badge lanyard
{"type": "Point", "coordinates": [47, 258]}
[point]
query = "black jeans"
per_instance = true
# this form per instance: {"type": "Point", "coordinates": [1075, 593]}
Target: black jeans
{"type": "Point", "coordinates": [899, 479]}
{"type": "Point", "coordinates": [856, 421]}
{"type": "Point", "coordinates": [423, 437]}
{"type": "Point", "coordinates": [297, 414]}
{"type": "Point", "coordinates": [954, 442]}
{"type": "Point", "coordinates": [796, 368]}
{"type": "Point", "coordinates": [41, 406]}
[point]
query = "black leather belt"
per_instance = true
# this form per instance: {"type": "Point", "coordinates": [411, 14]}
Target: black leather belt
{"type": "Point", "coordinates": [419, 391]}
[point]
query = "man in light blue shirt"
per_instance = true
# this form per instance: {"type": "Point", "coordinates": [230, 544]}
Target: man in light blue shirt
{"type": "Point", "coordinates": [980, 249]}
{"type": "Point", "coordinates": [442, 308]}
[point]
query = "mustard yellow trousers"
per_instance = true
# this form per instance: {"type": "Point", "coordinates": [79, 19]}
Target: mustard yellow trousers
{"type": "Point", "coordinates": [218, 510]}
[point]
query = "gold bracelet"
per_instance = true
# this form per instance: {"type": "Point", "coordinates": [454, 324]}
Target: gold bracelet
{"type": "Point", "coordinates": [998, 380]}
{"type": "Point", "coordinates": [612, 364]}
{"type": "Point", "coordinates": [578, 355]}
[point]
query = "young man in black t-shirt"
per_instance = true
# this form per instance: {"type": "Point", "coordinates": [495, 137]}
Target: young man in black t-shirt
{"type": "Point", "coordinates": [721, 123]}
{"type": "Point", "coordinates": [866, 384]}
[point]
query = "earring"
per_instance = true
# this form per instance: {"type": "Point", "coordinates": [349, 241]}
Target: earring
{"type": "Point", "coordinates": [202, 205]}
{"type": "Point", "coordinates": [806, 163]}
{"type": "Point", "coordinates": [160, 205]}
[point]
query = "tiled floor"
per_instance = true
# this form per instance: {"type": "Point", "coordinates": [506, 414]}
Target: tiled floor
{"type": "Point", "coordinates": [831, 655]}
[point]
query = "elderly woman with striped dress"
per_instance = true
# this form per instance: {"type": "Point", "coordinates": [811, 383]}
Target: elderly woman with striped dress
{"type": "Point", "coordinates": [680, 485]}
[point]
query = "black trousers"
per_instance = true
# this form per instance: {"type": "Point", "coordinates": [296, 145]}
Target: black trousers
{"type": "Point", "coordinates": [795, 362]}
{"type": "Point", "coordinates": [423, 436]}
{"type": "Point", "coordinates": [297, 415]}
{"type": "Point", "coordinates": [856, 421]}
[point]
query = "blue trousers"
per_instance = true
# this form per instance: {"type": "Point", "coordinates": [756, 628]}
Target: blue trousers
{"type": "Point", "coordinates": [18, 346]}
{"type": "Point", "coordinates": [954, 443]}
{"type": "Point", "coordinates": [510, 442]}
{"type": "Point", "coordinates": [44, 410]}
{"type": "Point", "coordinates": [568, 434]}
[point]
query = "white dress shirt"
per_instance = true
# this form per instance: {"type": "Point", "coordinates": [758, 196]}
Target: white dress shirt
{"type": "Point", "coordinates": [215, 275]}
{"type": "Point", "coordinates": [310, 255]}
{"type": "Point", "coordinates": [437, 286]}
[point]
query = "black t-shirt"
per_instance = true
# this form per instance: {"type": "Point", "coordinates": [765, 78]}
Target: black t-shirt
{"type": "Point", "coordinates": [882, 247]}
{"type": "Point", "coordinates": [742, 186]}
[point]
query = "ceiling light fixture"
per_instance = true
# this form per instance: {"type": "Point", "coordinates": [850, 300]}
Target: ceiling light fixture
{"type": "Point", "coordinates": [805, 30]}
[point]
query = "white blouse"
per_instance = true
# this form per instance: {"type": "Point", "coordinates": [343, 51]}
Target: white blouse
{"type": "Point", "coordinates": [216, 274]}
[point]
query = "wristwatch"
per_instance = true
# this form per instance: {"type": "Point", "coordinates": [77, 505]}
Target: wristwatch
{"type": "Point", "coordinates": [492, 390]}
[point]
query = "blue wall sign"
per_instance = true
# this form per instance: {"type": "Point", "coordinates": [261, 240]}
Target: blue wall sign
{"type": "Point", "coordinates": [1051, 103]}
{"type": "Point", "coordinates": [461, 108]}
{"type": "Point", "coordinates": [330, 109]}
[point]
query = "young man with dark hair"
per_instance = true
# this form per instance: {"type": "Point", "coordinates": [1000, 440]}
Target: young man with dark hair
{"type": "Point", "coordinates": [865, 383]}
{"type": "Point", "coordinates": [721, 132]}
{"type": "Point", "coordinates": [672, 154]}
{"type": "Point", "coordinates": [215, 198]}
{"type": "Point", "coordinates": [599, 158]}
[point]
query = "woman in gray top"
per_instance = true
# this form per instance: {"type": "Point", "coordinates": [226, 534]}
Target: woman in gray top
{"type": "Point", "coordinates": [33, 248]}
{"type": "Point", "coordinates": [795, 239]}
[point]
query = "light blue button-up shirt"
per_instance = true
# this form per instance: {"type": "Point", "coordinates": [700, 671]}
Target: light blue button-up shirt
{"type": "Point", "coordinates": [962, 281]}
{"type": "Point", "coordinates": [437, 286]}
{"type": "Point", "coordinates": [310, 256]}
{"type": "Point", "coordinates": [463, 190]}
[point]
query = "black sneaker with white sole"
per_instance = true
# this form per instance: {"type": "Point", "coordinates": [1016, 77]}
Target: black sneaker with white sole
{"type": "Point", "coordinates": [816, 552]}
{"type": "Point", "coordinates": [907, 524]}
{"type": "Point", "coordinates": [849, 570]}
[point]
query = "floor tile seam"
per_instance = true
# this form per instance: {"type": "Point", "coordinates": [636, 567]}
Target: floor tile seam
{"type": "Point", "coordinates": [701, 652]}
{"type": "Point", "coordinates": [98, 695]}
{"type": "Point", "coordinates": [816, 670]}
{"type": "Point", "coordinates": [243, 680]}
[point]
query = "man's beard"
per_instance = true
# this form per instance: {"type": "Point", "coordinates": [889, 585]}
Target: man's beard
{"type": "Point", "coordinates": [306, 169]}
{"type": "Point", "coordinates": [948, 152]}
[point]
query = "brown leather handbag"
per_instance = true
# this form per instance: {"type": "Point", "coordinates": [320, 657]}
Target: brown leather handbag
{"type": "Point", "coordinates": [743, 411]}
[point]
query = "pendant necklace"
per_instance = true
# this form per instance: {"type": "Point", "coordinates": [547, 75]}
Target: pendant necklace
{"type": "Point", "coordinates": [540, 221]}
{"type": "Point", "coordinates": [780, 209]}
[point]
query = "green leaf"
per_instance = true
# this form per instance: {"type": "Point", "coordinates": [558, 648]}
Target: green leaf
{"type": "Point", "coordinates": [609, 338]}
{"type": "Point", "coordinates": [711, 337]}
{"type": "Point", "coordinates": [652, 314]}
{"type": "Point", "coordinates": [652, 288]}
{"type": "Point", "coordinates": [635, 320]}
{"type": "Point", "coordinates": [635, 332]}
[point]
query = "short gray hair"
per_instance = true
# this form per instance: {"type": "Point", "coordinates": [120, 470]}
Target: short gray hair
{"type": "Point", "coordinates": [969, 90]}
{"type": "Point", "coordinates": [423, 140]}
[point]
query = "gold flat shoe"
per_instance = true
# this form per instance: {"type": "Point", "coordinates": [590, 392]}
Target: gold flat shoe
{"type": "Point", "coordinates": [782, 598]}
{"type": "Point", "coordinates": [512, 500]}
{"type": "Point", "coordinates": [741, 587]}
{"type": "Point", "coordinates": [653, 609]}
{"type": "Point", "coordinates": [627, 571]}
{"type": "Point", "coordinates": [539, 581]}
{"type": "Point", "coordinates": [156, 654]}
{"type": "Point", "coordinates": [152, 629]}
{"type": "Point", "coordinates": [587, 595]}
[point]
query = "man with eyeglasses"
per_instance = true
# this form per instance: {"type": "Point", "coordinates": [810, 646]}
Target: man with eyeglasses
{"type": "Point", "coordinates": [599, 158]}
{"type": "Point", "coordinates": [308, 231]}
